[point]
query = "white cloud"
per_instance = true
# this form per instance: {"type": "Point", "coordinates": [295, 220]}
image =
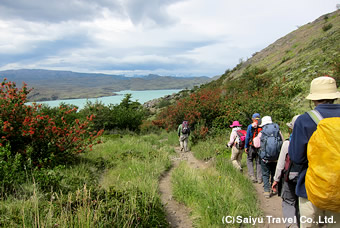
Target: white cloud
{"type": "Point", "coordinates": [151, 12]}
{"type": "Point", "coordinates": [177, 37]}
{"type": "Point", "coordinates": [57, 11]}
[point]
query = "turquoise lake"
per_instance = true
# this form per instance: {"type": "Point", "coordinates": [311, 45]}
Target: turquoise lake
{"type": "Point", "coordinates": [140, 96]}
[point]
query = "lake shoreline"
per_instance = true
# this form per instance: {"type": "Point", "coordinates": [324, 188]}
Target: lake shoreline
{"type": "Point", "coordinates": [142, 96]}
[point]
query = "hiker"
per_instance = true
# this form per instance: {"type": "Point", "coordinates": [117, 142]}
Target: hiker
{"type": "Point", "coordinates": [286, 174]}
{"type": "Point", "coordinates": [183, 134]}
{"type": "Point", "coordinates": [252, 152]}
{"type": "Point", "coordinates": [323, 93]}
{"type": "Point", "coordinates": [237, 139]}
{"type": "Point", "coordinates": [271, 142]}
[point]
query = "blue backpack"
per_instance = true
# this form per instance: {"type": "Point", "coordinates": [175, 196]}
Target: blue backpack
{"type": "Point", "coordinates": [271, 142]}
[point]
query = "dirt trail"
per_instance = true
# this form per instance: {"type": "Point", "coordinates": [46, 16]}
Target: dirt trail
{"type": "Point", "coordinates": [177, 213]}
{"type": "Point", "coordinates": [270, 207]}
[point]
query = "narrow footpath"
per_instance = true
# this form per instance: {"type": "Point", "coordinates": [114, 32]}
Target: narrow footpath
{"type": "Point", "coordinates": [271, 207]}
{"type": "Point", "coordinates": [178, 215]}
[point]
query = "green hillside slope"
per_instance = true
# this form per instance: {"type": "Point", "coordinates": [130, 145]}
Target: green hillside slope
{"type": "Point", "coordinates": [274, 81]}
{"type": "Point", "coordinates": [295, 59]}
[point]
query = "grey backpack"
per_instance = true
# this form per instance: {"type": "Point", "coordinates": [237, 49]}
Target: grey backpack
{"type": "Point", "coordinates": [271, 142]}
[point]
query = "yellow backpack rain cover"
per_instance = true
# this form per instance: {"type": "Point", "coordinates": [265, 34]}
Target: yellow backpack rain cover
{"type": "Point", "coordinates": [323, 173]}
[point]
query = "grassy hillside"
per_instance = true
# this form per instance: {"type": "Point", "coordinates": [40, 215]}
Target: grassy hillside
{"type": "Point", "coordinates": [274, 82]}
{"type": "Point", "coordinates": [311, 50]}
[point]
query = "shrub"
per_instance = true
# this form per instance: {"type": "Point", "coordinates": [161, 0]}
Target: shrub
{"type": "Point", "coordinates": [199, 133]}
{"type": "Point", "coordinates": [126, 115]}
{"type": "Point", "coordinates": [44, 140]}
{"type": "Point", "coordinates": [217, 107]}
{"type": "Point", "coordinates": [202, 105]}
{"type": "Point", "coordinates": [11, 171]}
{"type": "Point", "coordinates": [327, 27]}
{"type": "Point", "coordinates": [163, 103]}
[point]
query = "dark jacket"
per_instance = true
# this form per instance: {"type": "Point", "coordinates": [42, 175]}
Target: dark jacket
{"type": "Point", "coordinates": [304, 127]}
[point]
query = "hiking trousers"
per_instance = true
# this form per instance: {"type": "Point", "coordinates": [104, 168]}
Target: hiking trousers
{"type": "Point", "coordinates": [290, 203]}
{"type": "Point", "coordinates": [251, 157]}
{"type": "Point", "coordinates": [236, 157]}
{"type": "Point", "coordinates": [309, 212]}
{"type": "Point", "coordinates": [268, 172]}
{"type": "Point", "coordinates": [183, 142]}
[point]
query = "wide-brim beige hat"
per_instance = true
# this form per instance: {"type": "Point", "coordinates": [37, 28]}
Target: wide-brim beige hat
{"type": "Point", "coordinates": [323, 88]}
{"type": "Point", "coordinates": [291, 123]}
{"type": "Point", "coordinates": [266, 120]}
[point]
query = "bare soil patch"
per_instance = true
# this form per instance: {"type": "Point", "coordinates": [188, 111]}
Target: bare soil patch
{"type": "Point", "coordinates": [177, 214]}
{"type": "Point", "coordinates": [271, 207]}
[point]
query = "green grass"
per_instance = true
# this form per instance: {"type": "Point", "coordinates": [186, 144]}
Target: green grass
{"type": "Point", "coordinates": [216, 191]}
{"type": "Point", "coordinates": [205, 150]}
{"type": "Point", "coordinates": [115, 185]}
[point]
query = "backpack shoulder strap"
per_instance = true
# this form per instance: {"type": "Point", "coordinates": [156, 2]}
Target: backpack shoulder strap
{"type": "Point", "coordinates": [265, 129]}
{"type": "Point", "coordinates": [315, 115]}
{"type": "Point", "coordinates": [239, 133]}
{"type": "Point", "coordinates": [277, 128]}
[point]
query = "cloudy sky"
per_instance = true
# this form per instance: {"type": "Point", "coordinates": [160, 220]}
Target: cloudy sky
{"type": "Point", "coordinates": [166, 37]}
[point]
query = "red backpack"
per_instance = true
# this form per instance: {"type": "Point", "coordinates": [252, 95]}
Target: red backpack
{"type": "Point", "coordinates": [241, 134]}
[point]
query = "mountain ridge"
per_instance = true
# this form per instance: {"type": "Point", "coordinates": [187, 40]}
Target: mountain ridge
{"type": "Point", "coordinates": [297, 58]}
{"type": "Point", "coordinates": [289, 63]}
{"type": "Point", "coordinates": [54, 85]}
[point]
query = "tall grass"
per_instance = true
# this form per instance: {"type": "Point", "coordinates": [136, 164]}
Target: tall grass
{"type": "Point", "coordinates": [115, 185]}
{"type": "Point", "coordinates": [217, 191]}
{"type": "Point", "coordinates": [210, 148]}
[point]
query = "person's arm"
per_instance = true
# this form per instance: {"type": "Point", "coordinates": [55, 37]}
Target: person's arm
{"type": "Point", "coordinates": [232, 138]}
{"type": "Point", "coordinates": [280, 165]}
{"type": "Point", "coordinates": [179, 129]}
{"type": "Point", "coordinates": [248, 135]}
{"type": "Point", "coordinates": [281, 162]}
{"type": "Point", "coordinates": [283, 139]}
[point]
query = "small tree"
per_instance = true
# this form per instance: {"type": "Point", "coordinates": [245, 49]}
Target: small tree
{"type": "Point", "coordinates": [126, 115]}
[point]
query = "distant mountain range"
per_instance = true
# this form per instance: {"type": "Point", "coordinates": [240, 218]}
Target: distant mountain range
{"type": "Point", "coordinates": [54, 85]}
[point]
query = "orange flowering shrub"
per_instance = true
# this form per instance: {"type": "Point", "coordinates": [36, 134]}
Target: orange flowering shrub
{"type": "Point", "coordinates": [46, 137]}
{"type": "Point", "coordinates": [200, 109]}
{"type": "Point", "coordinates": [218, 105]}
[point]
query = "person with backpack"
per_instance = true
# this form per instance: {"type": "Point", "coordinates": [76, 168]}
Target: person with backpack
{"type": "Point", "coordinates": [315, 144]}
{"type": "Point", "coordinates": [251, 150]}
{"type": "Point", "coordinates": [285, 179]}
{"type": "Point", "coordinates": [271, 142]}
{"type": "Point", "coordinates": [183, 132]}
{"type": "Point", "coordinates": [237, 141]}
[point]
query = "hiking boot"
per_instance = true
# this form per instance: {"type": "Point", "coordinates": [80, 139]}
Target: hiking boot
{"type": "Point", "coordinates": [266, 195]}
{"type": "Point", "coordinates": [259, 181]}
{"type": "Point", "coordinates": [253, 179]}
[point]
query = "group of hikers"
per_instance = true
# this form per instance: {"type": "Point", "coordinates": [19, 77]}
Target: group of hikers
{"type": "Point", "coordinates": [303, 169]}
